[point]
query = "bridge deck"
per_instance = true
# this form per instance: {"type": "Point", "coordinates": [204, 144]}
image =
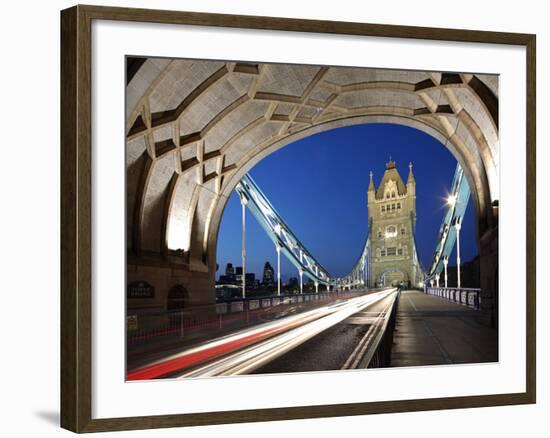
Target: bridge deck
{"type": "Point", "coordinates": [433, 331]}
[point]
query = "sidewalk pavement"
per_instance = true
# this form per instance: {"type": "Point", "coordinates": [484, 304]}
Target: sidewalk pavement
{"type": "Point", "coordinates": [433, 331]}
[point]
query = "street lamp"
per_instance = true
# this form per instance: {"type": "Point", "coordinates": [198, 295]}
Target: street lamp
{"type": "Point", "coordinates": [244, 201]}
{"type": "Point", "coordinates": [278, 248]}
{"type": "Point", "coordinates": [457, 227]}
{"type": "Point", "coordinates": [451, 200]}
{"type": "Point", "coordinates": [445, 263]}
{"type": "Point", "coordinates": [301, 272]}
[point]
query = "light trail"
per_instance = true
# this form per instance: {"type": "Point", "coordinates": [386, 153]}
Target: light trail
{"type": "Point", "coordinates": [321, 318]}
{"type": "Point", "coordinates": [254, 357]}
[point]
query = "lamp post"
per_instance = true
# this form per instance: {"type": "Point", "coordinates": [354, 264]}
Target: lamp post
{"type": "Point", "coordinates": [451, 201]}
{"type": "Point", "coordinates": [243, 251]}
{"type": "Point", "coordinates": [445, 263]}
{"type": "Point", "coordinates": [316, 281]}
{"type": "Point", "coordinates": [457, 227]}
{"type": "Point", "coordinates": [278, 248]}
{"type": "Point", "coordinates": [301, 272]}
{"type": "Point", "coordinates": [437, 280]}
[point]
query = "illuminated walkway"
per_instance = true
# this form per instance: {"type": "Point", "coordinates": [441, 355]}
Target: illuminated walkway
{"type": "Point", "coordinates": [433, 331]}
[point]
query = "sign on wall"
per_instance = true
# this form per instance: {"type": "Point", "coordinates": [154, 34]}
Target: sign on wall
{"type": "Point", "coordinates": [140, 289]}
{"type": "Point", "coordinates": [132, 322]}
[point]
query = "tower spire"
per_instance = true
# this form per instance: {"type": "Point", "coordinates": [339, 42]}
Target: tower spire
{"type": "Point", "coordinates": [371, 183]}
{"type": "Point", "coordinates": [411, 176]}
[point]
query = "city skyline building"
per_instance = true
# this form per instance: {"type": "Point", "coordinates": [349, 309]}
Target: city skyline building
{"type": "Point", "coordinates": [229, 269]}
{"type": "Point", "coordinates": [268, 278]}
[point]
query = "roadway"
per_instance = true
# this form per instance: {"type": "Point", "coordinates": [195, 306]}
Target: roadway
{"type": "Point", "coordinates": [338, 335]}
{"type": "Point", "coordinates": [323, 338]}
{"type": "Point", "coordinates": [157, 348]}
{"type": "Point", "coordinates": [338, 347]}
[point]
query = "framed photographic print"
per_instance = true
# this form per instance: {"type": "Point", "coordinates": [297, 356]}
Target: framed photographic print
{"type": "Point", "coordinates": [302, 218]}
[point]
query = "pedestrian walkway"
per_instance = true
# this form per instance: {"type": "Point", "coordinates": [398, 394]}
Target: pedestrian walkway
{"type": "Point", "coordinates": [433, 331]}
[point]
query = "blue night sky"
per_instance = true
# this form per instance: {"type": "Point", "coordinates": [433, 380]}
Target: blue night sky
{"type": "Point", "coordinates": [319, 186]}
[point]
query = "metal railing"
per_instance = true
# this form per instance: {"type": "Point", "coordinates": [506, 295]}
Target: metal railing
{"type": "Point", "coordinates": [383, 343]}
{"type": "Point", "coordinates": [466, 296]}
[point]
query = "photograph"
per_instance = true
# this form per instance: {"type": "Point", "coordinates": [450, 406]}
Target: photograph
{"type": "Point", "coordinates": [297, 218]}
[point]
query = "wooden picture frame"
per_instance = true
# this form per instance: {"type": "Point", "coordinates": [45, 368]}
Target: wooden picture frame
{"type": "Point", "coordinates": [76, 217]}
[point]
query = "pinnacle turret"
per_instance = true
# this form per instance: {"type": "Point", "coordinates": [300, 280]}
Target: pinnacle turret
{"type": "Point", "coordinates": [371, 183]}
{"type": "Point", "coordinates": [411, 176]}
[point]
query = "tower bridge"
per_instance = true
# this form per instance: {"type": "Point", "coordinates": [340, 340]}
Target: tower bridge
{"type": "Point", "coordinates": [389, 256]}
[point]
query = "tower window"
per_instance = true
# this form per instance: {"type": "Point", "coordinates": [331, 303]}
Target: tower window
{"type": "Point", "coordinates": [403, 231]}
{"type": "Point", "coordinates": [393, 206]}
{"type": "Point", "coordinates": [383, 208]}
{"type": "Point", "coordinates": [393, 194]}
{"type": "Point", "coordinates": [391, 231]}
{"type": "Point", "coordinates": [400, 251]}
{"type": "Point", "coordinates": [398, 205]}
{"type": "Point", "coordinates": [391, 251]}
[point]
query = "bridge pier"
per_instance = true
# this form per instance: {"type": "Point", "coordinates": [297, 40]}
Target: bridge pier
{"type": "Point", "coordinates": [160, 284]}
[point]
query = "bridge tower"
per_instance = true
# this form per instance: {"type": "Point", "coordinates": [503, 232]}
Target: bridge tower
{"type": "Point", "coordinates": [392, 215]}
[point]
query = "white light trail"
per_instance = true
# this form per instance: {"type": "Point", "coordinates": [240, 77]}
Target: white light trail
{"type": "Point", "coordinates": [253, 357]}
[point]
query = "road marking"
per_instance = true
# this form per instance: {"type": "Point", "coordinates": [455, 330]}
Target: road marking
{"type": "Point", "coordinates": [361, 320]}
{"type": "Point", "coordinates": [360, 350]}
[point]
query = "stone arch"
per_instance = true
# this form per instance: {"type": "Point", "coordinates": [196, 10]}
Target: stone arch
{"type": "Point", "coordinates": [177, 298]}
{"type": "Point", "coordinates": [402, 276]}
{"type": "Point", "coordinates": [195, 127]}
